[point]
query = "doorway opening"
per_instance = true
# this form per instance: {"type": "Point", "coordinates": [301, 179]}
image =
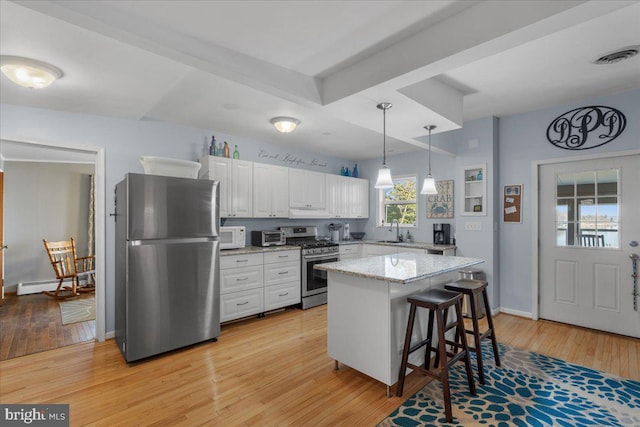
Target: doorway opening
{"type": "Point", "coordinates": [22, 155]}
{"type": "Point", "coordinates": [584, 235]}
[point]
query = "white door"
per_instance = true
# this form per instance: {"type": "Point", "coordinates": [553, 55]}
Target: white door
{"type": "Point", "coordinates": [588, 221]}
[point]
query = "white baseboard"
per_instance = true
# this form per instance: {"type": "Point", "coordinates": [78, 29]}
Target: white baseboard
{"type": "Point", "coordinates": [516, 312]}
{"type": "Point", "coordinates": [110, 335]}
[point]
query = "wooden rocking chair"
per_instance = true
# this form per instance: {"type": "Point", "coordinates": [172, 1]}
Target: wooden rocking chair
{"type": "Point", "coordinates": [67, 265]}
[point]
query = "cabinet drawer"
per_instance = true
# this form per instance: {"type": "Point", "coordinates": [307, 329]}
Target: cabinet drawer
{"type": "Point", "coordinates": [281, 256]}
{"type": "Point", "coordinates": [240, 304]}
{"type": "Point", "coordinates": [235, 261]}
{"type": "Point", "coordinates": [282, 272]}
{"type": "Point", "coordinates": [239, 279]}
{"type": "Point", "coordinates": [282, 295]}
{"type": "Point", "coordinates": [350, 249]}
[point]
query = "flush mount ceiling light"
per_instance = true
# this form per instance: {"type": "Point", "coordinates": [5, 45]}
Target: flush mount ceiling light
{"type": "Point", "coordinates": [285, 124]}
{"type": "Point", "coordinates": [28, 72]}
{"type": "Point", "coordinates": [429, 184]}
{"type": "Point", "coordinates": [384, 173]}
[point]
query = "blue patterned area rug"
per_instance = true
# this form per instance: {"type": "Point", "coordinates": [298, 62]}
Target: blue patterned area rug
{"type": "Point", "coordinates": [529, 389]}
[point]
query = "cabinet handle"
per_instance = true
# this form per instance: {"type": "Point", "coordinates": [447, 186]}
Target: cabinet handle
{"type": "Point", "coordinates": [283, 256]}
{"type": "Point", "coordinates": [284, 272]}
{"type": "Point", "coordinates": [242, 260]}
{"type": "Point", "coordinates": [242, 279]}
{"type": "Point", "coordinates": [243, 303]}
{"type": "Point", "coordinates": [283, 295]}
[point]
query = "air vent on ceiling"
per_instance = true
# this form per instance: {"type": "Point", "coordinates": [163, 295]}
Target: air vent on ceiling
{"type": "Point", "coordinates": [618, 55]}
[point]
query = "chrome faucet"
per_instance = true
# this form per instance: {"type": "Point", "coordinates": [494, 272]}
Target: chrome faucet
{"type": "Point", "coordinates": [398, 239]}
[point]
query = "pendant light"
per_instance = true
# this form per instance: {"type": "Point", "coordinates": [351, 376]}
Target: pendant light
{"type": "Point", "coordinates": [384, 173]}
{"type": "Point", "coordinates": [429, 184]}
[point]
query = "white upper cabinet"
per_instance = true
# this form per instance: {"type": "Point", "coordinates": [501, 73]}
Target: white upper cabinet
{"type": "Point", "coordinates": [270, 191]}
{"type": "Point", "coordinates": [337, 196]}
{"type": "Point", "coordinates": [236, 184]}
{"type": "Point", "coordinates": [359, 203]}
{"type": "Point", "coordinates": [306, 189]}
{"type": "Point", "coordinates": [347, 197]}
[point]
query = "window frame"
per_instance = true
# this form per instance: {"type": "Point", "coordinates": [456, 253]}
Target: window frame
{"type": "Point", "coordinates": [380, 204]}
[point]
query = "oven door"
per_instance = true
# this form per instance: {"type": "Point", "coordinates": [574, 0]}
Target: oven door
{"type": "Point", "coordinates": [315, 281]}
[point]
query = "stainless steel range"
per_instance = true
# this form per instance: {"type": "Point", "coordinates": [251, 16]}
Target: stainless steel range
{"type": "Point", "coordinates": [313, 251]}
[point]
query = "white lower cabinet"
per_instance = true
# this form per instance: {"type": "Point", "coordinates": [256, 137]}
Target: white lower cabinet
{"type": "Point", "coordinates": [282, 295]}
{"type": "Point", "coordinates": [241, 286]}
{"type": "Point", "coordinates": [281, 279]}
{"type": "Point", "coordinates": [240, 304]}
{"type": "Point", "coordinates": [350, 251]}
{"type": "Point", "coordinates": [254, 283]}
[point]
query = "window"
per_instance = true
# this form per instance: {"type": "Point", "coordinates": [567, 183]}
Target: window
{"type": "Point", "coordinates": [587, 207]}
{"type": "Point", "coordinates": [399, 202]}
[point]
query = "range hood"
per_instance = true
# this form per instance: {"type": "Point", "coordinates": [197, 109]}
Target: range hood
{"type": "Point", "coordinates": [308, 213]}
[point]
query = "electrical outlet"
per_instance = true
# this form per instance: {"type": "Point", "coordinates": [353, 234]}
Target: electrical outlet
{"type": "Point", "coordinates": [473, 226]}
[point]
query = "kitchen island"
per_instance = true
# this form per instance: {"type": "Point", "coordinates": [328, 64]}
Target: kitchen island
{"type": "Point", "coordinates": [368, 310]}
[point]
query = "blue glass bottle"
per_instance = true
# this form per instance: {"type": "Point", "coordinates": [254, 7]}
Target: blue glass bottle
{"type": "Point", "coordinates": [342, 171]}
{"type": "Point", "coordinates": [355, 171]}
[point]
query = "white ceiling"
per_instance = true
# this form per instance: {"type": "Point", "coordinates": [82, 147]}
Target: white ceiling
{"type": "Point", "coordinates": [230, 66]}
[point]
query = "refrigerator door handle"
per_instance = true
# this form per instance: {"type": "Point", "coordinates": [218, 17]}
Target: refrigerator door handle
{"type": "Point", "coordinates": [172, 241]}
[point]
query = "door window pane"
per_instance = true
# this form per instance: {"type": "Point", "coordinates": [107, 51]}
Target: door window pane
{"type": "Point", "coordinates": [583, 218]}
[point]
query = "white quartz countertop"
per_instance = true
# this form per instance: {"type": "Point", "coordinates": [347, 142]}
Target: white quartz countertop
{"type": "Point", "coordinates": [257, 249]}
{"type": "Point", "coordinates": [399, 268]}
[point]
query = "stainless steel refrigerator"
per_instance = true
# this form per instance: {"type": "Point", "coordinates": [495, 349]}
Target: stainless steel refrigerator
{"type": "Point", "coordinates": [167, 264]}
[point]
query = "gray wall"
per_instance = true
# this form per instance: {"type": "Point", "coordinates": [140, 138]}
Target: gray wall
{"type": "Point", "coordinates": [42, 201]}
{"type": "Point", "coordinates": [475, 143]}
{"type": "Point", "coordinates": [125, 141]}
{"type": "Point", "coordinates": [523, 141]}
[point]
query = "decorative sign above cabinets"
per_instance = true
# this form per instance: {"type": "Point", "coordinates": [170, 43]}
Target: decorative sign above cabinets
{"type": "Point", "coordinates": [586, 127]}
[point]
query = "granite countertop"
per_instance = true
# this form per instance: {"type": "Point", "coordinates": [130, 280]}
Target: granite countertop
{"type": "Point", "coordinates": [257, 249]}
{"type": "Point", "coordinates": [400, 268]}
{"type": "Point", "coordinates": [416, 245]}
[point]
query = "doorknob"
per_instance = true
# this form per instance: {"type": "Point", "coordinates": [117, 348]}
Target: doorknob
{"type": "Point", "coordinates": [3, 247]}
{"type": "Point", "coordinates": [633, 243]}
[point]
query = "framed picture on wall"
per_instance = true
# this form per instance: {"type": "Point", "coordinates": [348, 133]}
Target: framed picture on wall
{"type": "Point", "coordinates": [441, 205]}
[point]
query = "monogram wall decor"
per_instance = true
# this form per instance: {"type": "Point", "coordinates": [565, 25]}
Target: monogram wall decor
{"type": "Point", "coordinates": [586, 127]}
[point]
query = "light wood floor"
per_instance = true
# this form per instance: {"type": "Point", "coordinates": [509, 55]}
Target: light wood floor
{"type": "Point", "coordinates": [32, 323]}
{"type": "Point", "coordinates": [264, 372]}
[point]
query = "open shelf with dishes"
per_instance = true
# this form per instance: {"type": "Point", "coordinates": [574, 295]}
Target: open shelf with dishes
{"type": "Point", "coordinates": [475, 190]}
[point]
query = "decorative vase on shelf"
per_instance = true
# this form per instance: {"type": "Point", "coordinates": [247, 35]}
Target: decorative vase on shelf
{"type": "Point", "coordinates": [347, 173]}
{"type": "Point", "coordinates": [236, 153]}
{"type": "Point", "coordinates": [479, 177]}
{"type": "Point", "coordinates": [226, 150]}
{"type": "Point", "coordinates": [355, 171]}
{"type": "Point", "coordinates": [342, 171]}
{"type": "Point", "coordinates": [220, 152]}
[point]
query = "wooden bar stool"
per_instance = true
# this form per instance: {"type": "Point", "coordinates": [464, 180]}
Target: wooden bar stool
{"type": "Point", "coordinates": [438, 302]}
{"type": "Point", "coordinates": [472, 288]}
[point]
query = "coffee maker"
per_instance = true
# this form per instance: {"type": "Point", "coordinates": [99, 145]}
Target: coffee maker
{"type": "Point", "coordinates": [441, 234]}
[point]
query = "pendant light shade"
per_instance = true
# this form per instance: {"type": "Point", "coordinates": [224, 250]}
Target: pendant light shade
{"type": "Point", "coordinates": [429, 184]}
{"type": "Point", "coordinates": [384, 173]}
{"type": "Point", "coordinates": [384, 178]}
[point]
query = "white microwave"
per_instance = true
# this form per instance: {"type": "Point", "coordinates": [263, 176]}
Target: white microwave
{"type": "Point", "coordinates": [232, 237]}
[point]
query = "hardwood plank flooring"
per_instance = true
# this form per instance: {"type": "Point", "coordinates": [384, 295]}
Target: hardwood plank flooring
{"type": "Point", "coordinates": [32, 323]}
{"type": "Point", "coordinates": [273, 371]}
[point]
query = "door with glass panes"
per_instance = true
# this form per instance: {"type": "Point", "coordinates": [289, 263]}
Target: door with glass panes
{"type": "Point", "coordinates": [589, 219]}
